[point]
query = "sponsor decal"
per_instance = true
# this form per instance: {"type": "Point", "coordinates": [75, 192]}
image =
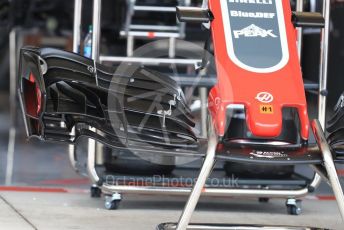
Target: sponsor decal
{"type": "Point", "coordinates": [244, 14]}
{"type": "Point", "coordinates": [266, 109]}
{"type": "Point", "coordinates": [265, 97]}
{"type": "Point", "coordinates": [255, 28]}
{"type": "Point", "coordinates": [268, 154]}
{"type": "Point", "coordinates": [90, 68]}
{"type": "Point", "coordinates": [264, 2]}
{"type": "Point", "coordinates": [254, 31]}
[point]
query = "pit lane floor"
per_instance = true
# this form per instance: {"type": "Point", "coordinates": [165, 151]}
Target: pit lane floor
{"type": "Point", "coordinates": [45, 193]}
{"type": "Point", "coordinates": [51, 210]}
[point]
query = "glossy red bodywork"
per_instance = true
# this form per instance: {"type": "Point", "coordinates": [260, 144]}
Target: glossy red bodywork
{"type": "Point", "coordinates": [239, 86]}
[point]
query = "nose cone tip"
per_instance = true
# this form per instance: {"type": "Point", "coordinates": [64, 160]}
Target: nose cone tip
{"type": "Point", "coordinates": [266, 130]}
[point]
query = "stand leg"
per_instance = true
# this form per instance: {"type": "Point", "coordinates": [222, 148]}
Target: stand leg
{"type": "Point", "coordinates": [329, 165]}
{"type": "Point", "coordinates": [91, 161]}
{"type": "Point", "coordinates": [198, 187]}
{"type": "Point", "coordinates": [72, 154]}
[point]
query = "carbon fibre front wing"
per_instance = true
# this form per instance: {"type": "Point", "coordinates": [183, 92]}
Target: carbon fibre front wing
{"type": "Point", "coordinates": [125, 107]}
{"type": "Point", "coordinates": [335, 129]}
{"type": "Point", "coordinates": [65, 96]}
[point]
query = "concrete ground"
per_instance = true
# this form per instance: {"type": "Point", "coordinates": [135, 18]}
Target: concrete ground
{"type": "Point", "coordinates": [28, 210]}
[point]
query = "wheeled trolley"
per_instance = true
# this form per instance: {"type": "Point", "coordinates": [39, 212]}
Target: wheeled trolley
{"type": "Point", "coordinates": [254, 44]}
{"type": "Point", "coordinates": [240, 38]}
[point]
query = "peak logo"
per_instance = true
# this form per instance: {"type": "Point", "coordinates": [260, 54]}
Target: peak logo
{"type": "Point", "coordinates": [253, 31]}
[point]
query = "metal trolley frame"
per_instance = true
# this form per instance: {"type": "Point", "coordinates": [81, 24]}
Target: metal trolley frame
{"type": "Point", "coordinates": [194, 193]}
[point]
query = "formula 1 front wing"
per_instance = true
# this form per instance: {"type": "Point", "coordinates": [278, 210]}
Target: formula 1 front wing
{"type": "Point", "coordinates": [125, 107]}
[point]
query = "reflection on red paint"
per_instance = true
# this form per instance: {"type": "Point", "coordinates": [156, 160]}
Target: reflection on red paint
{"type": "Point", "coordinates": [38, 95]}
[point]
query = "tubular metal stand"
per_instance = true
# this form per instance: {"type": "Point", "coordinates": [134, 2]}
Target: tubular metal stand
{"type": "Point", "coordinates": [325, 38]}
{"type": "Point", "coordinates": [15, 41]}
{"type": "Point", "coordinates": [208, 164]}
{"type": "Point", "coordinates": [329, 165]}
{"type": "Point", "coordinates": [272, 193]}
{"type": "Point", "coordinates": [76, 49]}
{"type": "Point", "coordinates": [210, 157]}
{"type": "Point", "coordinates": [13, 104]}
{"type": "Point", "coordinates": [132, 31]}
{"type": "Point", "coordinates": [299, 7]}
{"type": "Point", "coordinates": [99, 58]}
{"type": "Point", "coordinates": [210, 160]}
{"type": "Point", "coordinates": [92, 145]}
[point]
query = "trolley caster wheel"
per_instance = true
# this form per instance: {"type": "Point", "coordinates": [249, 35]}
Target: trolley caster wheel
{"type": "Point", "coordinates": [263, 200]}
{"type": "Point", "coordinates": [294, 207]}
{"type": "Point", "coordinates": [112, 202]}
{"type": "Point", "coordinates": [95, 192]}
{"type": "Point", "coordinates": [112, 205]}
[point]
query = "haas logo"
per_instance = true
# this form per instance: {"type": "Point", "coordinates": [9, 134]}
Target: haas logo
{"type": "Point", "coordinates": [265, 97]}
{"type": "Point", "coordinates": [253, 31]}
